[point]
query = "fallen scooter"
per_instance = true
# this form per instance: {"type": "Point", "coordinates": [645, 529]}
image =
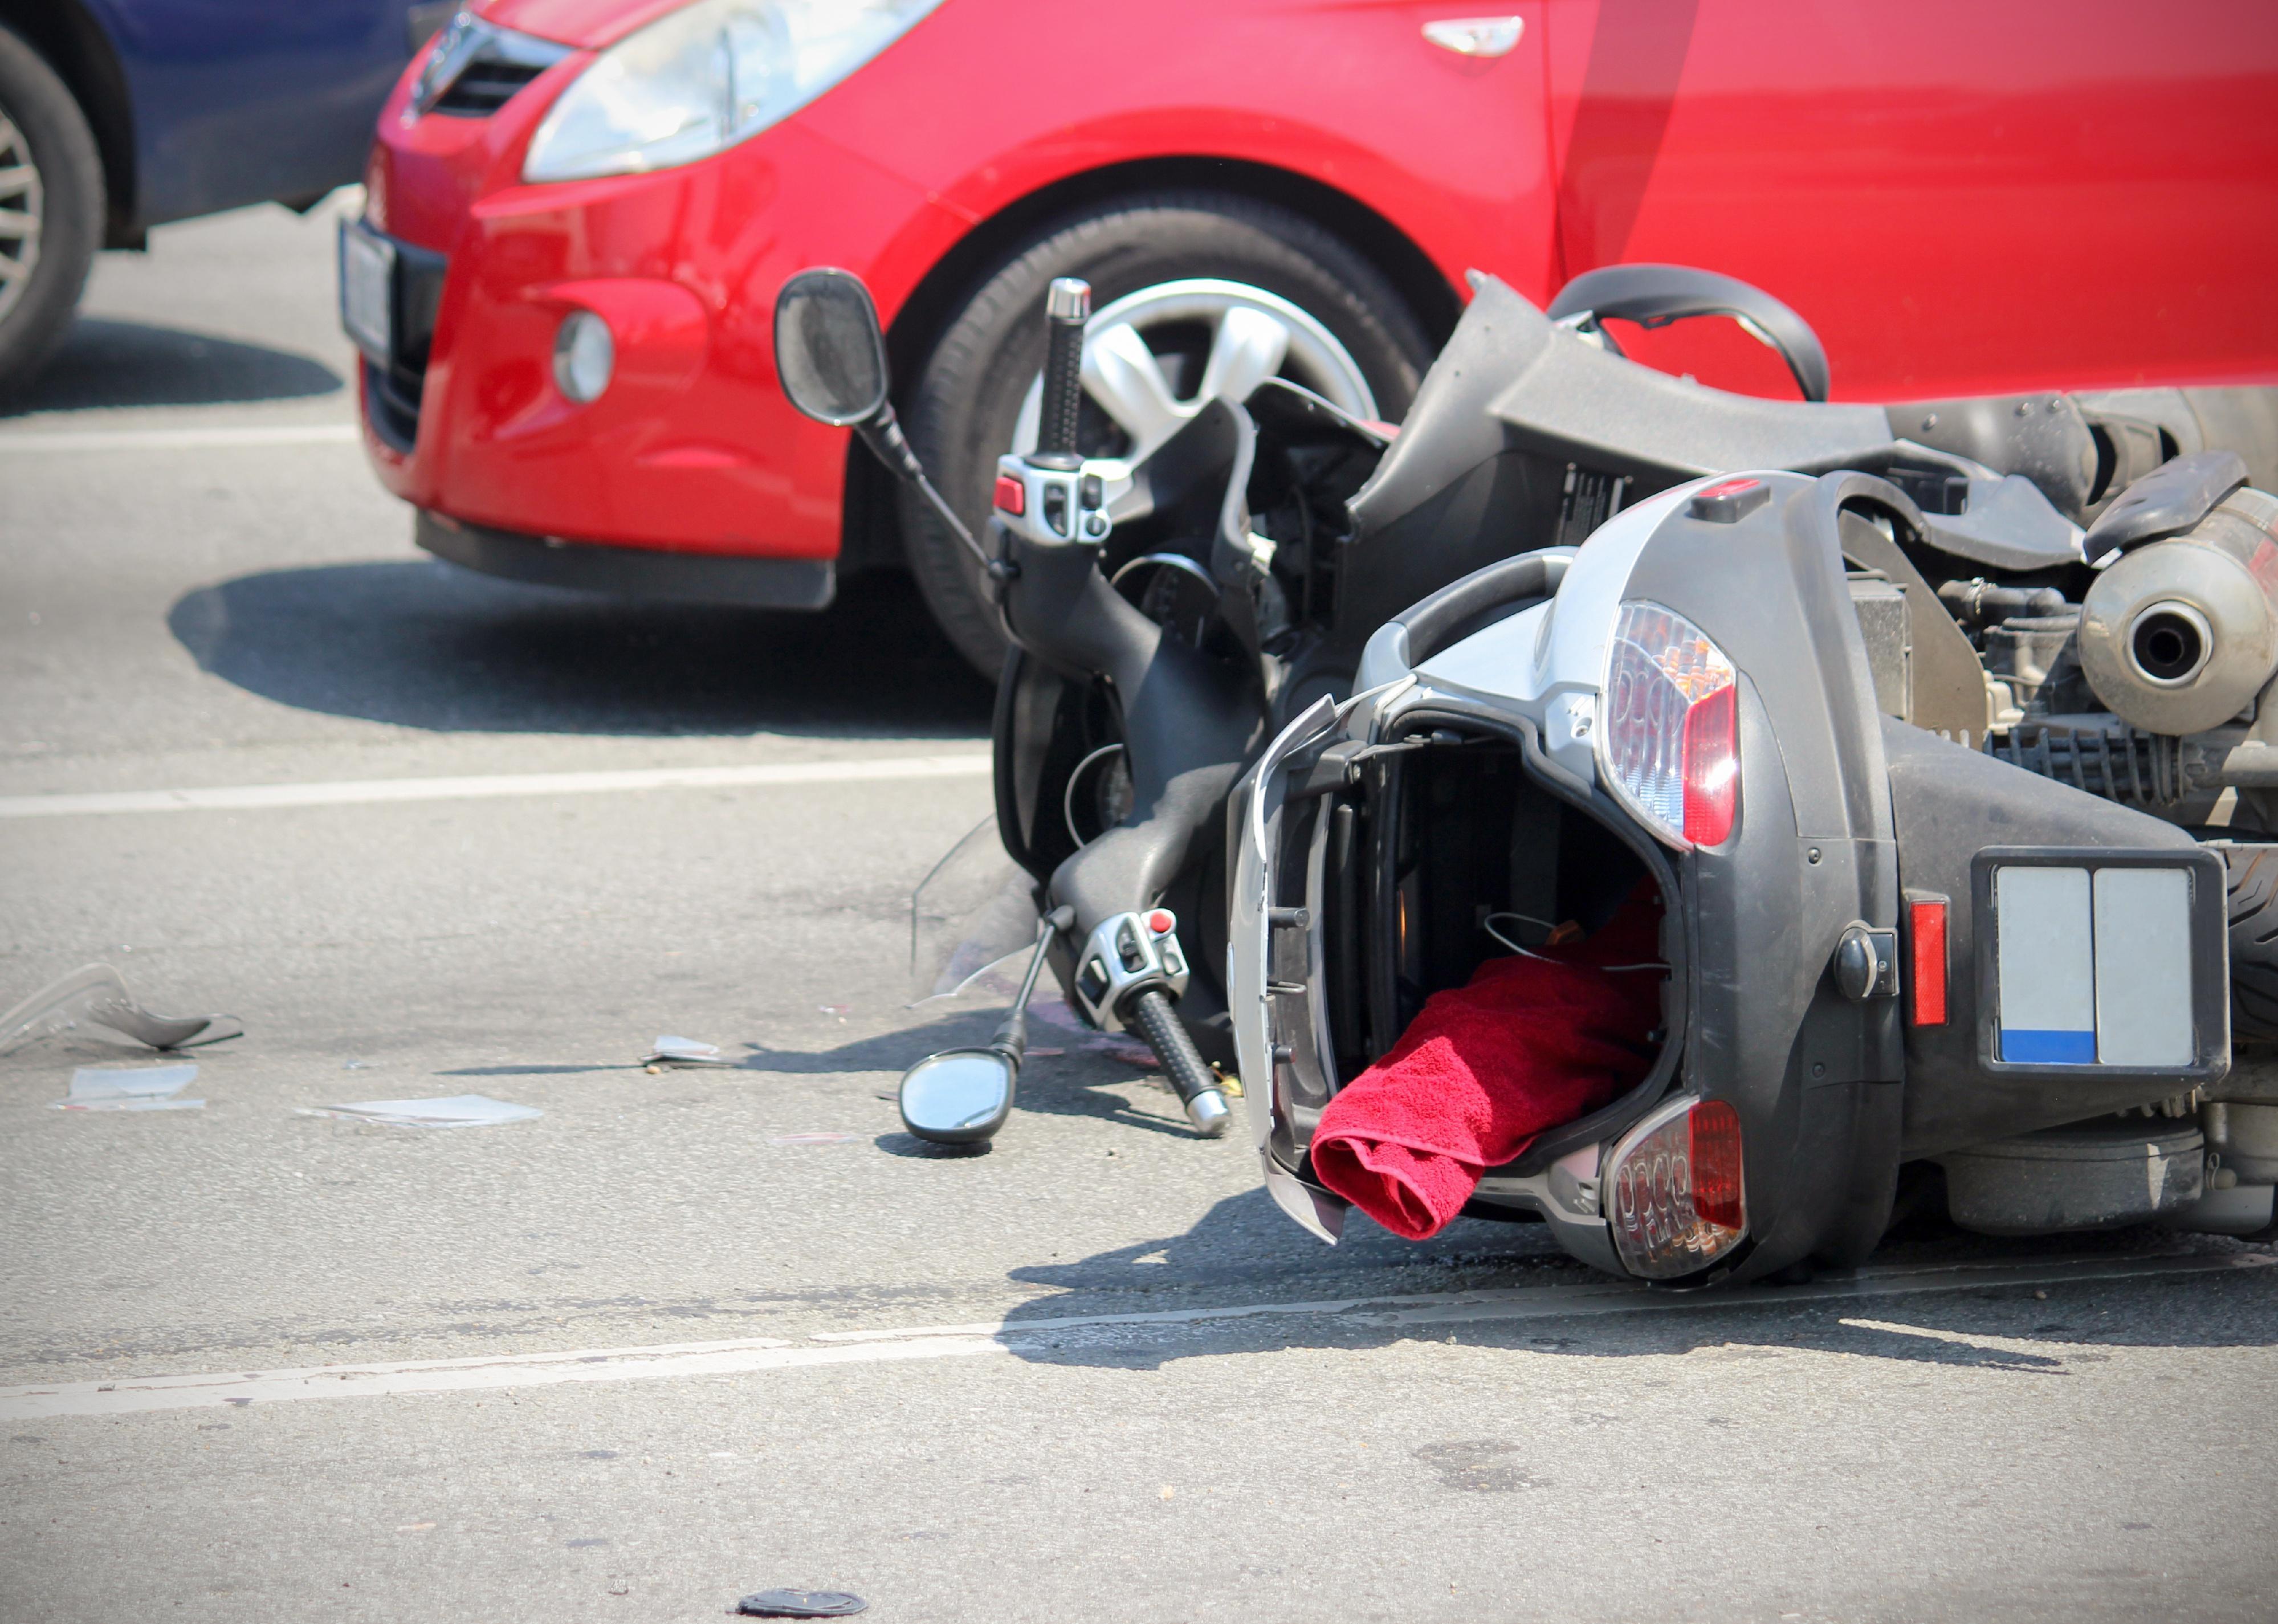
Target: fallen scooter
{"type": "Point", "coordinates": [2024, 963]}
{"type": "Point", "coordinates": [1257, 572]}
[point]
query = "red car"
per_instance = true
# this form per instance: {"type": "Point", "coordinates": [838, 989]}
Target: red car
{"type": "Point", "coordinates": [579, 212]}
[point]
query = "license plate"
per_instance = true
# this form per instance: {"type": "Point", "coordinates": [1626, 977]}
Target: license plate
{"type": "Point", "coordinates": [2094, 966]}
{"type": "Point", "coordinates": [367, 290]}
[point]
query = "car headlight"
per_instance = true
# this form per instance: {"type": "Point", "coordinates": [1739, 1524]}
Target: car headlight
{"type": "Point", "coordinates": [706, 76]}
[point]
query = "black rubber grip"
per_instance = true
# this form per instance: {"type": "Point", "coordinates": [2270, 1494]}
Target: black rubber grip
{"type": "Point", "coordinates": [1159, 1022]}
{"type": "Point", "coordinates": [1063, 386]}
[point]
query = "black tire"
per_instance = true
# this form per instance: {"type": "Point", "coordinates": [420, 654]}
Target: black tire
{"type": "Point", "coordinates": [2253, 884]}
{"type": "Point", "coordinates": [67, 195]}
{"type": "Point", "coordinates": [966, 400]}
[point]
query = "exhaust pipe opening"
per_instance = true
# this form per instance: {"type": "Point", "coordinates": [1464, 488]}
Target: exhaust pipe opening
{"type": "Point", "coordinates": [2169, 645]}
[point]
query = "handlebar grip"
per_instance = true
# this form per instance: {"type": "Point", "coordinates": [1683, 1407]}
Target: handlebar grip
{"type": "Point", "coordinates": [1159, 1022]}
{"type": "Point", "coordinates": [1067, 306]}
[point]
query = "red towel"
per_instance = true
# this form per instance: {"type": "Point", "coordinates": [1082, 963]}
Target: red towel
{"type": "Point", "coordinates": [1530, 1044]}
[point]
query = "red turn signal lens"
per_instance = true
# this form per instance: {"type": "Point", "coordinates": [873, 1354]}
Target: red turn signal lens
{"type": "Point", "coordinates": [1712, 766]}
{"type": "Point", "coordinates": [1675, 1191]}
{"type": "Point", "coordinates": [1926, 927]}
{"type": "Point", "coordinates": [1012, 495]}
{"type": "Point", "coordinates": [1728, 502]}
{"type": "Point", "coordinates": [1162, 922]}
{"type": "Point", "coordinates": [1717, 1163]}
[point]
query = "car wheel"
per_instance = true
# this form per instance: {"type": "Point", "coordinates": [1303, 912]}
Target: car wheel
{"type": "Point", "coordinates": [1193, 295]}
{"type": "Point", "coordinates": [51, 208]}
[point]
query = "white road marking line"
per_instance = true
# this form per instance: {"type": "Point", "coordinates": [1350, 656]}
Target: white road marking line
{"type": "Point", "coordinates": [32, 442]}
{"type": "Point", "coordinates": [2031, 1346]}
{"type": "Point", "coordinates": [135, 1394]}
{"type": "Point", "coordinates": [1612, 1295]}
{"type": "Point", "coordinates": [250, 797]}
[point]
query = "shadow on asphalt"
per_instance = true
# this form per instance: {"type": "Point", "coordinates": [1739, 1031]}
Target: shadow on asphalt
{"type": "Point", "coordinates": [423, 643]}
{"type": "Point", "coordinates": [1078, 1081]}
{"type": "Point", "coordinates": [1951, 1328]}
{"type": "Point", "coordinates": [129, 364]}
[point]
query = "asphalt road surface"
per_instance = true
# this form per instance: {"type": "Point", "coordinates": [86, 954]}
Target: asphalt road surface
{"type": "Point", "coordinates": [694, 1333]}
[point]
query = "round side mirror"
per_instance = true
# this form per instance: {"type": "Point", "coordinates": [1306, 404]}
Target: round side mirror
{"type": "Point", "coordinates": [829, 350]}
{"type": "Point", "coordinates": [960, 1096]}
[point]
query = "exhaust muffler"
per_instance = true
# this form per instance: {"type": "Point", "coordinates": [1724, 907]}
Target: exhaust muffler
{"type": "Point", "coordinates": [2180, 633]}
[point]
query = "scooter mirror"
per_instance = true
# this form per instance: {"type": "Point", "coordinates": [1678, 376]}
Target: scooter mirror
{"type": "Point", "coordinates": [829, 351]}
{"type": "Point", "coordinates": [960, 1096]}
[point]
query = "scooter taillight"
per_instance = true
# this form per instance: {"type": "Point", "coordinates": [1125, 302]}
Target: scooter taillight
{"type": "Point", "coordinates": [1712, 766]}
{"type": "Point", "coordinates": [1678, 1200]}
{"type": "Point", "coordinates": [1670, 742]}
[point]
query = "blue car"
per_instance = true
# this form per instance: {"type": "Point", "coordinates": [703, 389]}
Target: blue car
{"type": "Point", "coordinates": [119, 115]}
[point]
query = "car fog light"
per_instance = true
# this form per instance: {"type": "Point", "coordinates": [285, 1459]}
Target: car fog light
{"type": "Point", "coordinates": [584, 356]}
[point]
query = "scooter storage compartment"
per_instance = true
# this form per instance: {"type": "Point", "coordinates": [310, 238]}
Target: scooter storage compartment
{"type": "Point", "coordinates": [1453, 844]}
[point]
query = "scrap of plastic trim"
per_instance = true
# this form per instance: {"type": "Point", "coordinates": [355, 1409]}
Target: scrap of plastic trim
{"type": "Point", "coordinates": [96, 995]}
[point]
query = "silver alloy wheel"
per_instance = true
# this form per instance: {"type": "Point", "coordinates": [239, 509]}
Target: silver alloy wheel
{"type": "Point", "coordinates": [1253, 335]}
{"type": "Point", "coordinates": [22, 206]}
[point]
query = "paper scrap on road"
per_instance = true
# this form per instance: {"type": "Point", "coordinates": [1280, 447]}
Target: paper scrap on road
{"type": "Point", "coordinates": [671, 1051]}
{"type": "Point", "coordinates": [460, 1110]}
{"type": "Point", "coordinates": [130, 1088]}
{"type": "Point", "coordinates": [96, 995]}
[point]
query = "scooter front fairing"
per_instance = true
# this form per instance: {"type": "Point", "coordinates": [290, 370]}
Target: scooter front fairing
{"type": "Point", "coordinates": [1525, 743]}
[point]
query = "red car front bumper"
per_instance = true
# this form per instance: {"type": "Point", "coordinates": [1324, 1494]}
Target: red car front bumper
{"type": "Point", "coordinates": [691, 470]}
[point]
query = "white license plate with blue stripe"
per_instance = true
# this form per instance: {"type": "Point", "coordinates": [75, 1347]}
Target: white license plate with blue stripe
{"type": "Point", "coordinates": [2093, 966]}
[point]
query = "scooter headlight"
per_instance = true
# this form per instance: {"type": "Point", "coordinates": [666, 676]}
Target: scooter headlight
{"type": "Point", "coordinates": [706, 76]}
{"type": "Point", "coordinates": [1675, 1191]}
{"type": "Point", "coordinates": [1669, 746]}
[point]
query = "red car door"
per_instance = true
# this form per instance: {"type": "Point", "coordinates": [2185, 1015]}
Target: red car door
{"type": "Point", "coordinates": [1985, 194]}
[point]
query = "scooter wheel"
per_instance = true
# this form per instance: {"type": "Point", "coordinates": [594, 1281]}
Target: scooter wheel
{"type": "Point", "coordinates": [2253, 884]}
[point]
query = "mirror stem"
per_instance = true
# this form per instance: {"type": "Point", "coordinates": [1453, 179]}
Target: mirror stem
{"type": "Point", "coordinates": [883, 433]}
{"type": "Point", "coordinates": [1012, 1039]}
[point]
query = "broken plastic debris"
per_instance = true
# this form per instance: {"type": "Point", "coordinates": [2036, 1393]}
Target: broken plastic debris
{"type": "Point", "coordinates": [801, 1604]}
{"type": "Point", "coordinates": [95, 994]}
{"type": "Point", "coordinates": [836, 1009]}
{"type": "Point", "coordinates": [670, 1051]}
{"type": "Point", "coordinates": [460, 1110]}
{"type": "Point", "coordinates": [130, 1088]}
{"type": "Point", "coordinates": [974, 909]}
{"type": "Point", "coordinates": [813, 1138]}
